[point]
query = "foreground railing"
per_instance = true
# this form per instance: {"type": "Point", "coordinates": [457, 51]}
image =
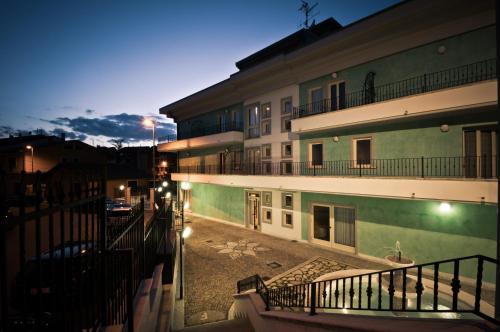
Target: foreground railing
{"type": "Point", "coordinates": [447, 286]}
{"type": "Point", "coordinates": [254, 282]}
{"type": "Point", "coordinates": [448, 78]}
{"type": "Point", "coordinates": [422, 167]}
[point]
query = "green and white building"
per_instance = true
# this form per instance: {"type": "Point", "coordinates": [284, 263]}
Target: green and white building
{"type": "Point", "coordinates": [355, 137]}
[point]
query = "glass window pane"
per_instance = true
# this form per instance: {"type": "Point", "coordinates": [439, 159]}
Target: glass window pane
{"type": "Point", "coordinates": [321, 215]}
{"type": "Point", "coordinates": [363, 151]}
{"type": "Point", "coordinates": [317, 154]}
{"type": "Point", "coordinates": [317, 95]}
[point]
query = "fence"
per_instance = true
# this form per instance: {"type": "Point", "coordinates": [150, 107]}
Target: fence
{"type": "Point", "coordinates": [466, 74]}
{"type": "Point", "coordinates": [424, 167]}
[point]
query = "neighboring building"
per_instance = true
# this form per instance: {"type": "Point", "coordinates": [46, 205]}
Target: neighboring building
{"type": "Point", "coordinates": [355, 137]}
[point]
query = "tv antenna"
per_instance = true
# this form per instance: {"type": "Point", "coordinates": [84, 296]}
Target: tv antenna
{"type": "Point", "coordinates": [307, 9]}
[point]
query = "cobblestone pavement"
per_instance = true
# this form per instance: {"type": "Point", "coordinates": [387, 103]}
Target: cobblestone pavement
{"type": "Point", "coordinates": [218, 255]}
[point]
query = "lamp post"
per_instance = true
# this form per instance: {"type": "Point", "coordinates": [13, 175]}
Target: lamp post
{"type": "Point", "coordinates": [152, 124]}
{"type": "Point", "coordinates": [29, 147]}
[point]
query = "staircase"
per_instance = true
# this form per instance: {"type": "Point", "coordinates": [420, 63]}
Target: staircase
{"type": "Point", "coordinates": [240, 325]}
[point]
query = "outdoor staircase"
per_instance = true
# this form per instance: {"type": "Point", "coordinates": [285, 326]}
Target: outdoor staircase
{"type": "Point", "coordinates": [240, 325]}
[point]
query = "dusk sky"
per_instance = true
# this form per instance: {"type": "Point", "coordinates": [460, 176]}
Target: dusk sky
{"type": "Point", "coordinates": [93, 69]}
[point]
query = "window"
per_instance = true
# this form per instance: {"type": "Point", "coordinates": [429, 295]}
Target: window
{"type": "Point", "coordinates": [253, 121]}
{"type": "Point", "coordinates": [286, 124]}
{"type": "Point", "coordinates": [337, 96]}
{"type": "Point", "coordinates": [266, 127]}
{"type": "Point", "coordinates": [287, 201]}
{"type": "Point", "coordinates": [286, 167]}
{"type": "Point", "coordinates": [132, 184]}
{"type": "Point", "coordinates": [344, 230]}
{"type": "Point", "coordinates": [266, 111]}
{"type": "Point", "coordinates": [316, 95]}
{"type": "Point", "coordinates": [267, 198]}
{"type": "Point", "coordinates": [267, 215]}
{"type": "Point", "coordinates": [267, 167]}
{"type": "Point", "coordinates": [316, 154]}
{"type": "Point", "coordinates": [287, 219]}
{"type": "Point", "coordinates": [362, 151]}
{"type": "Point", "coordinates": [286, 106]}
{"type": "Point", "coordinates": [266, 151]}
{"type": "Point", "coordinates": [286, 149]}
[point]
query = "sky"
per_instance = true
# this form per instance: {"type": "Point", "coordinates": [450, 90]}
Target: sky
{"type": "Point", "coordinates": [94, 69]}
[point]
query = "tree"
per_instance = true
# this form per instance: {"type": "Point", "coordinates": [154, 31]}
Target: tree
{"type": "Point", "coordinates": [117, 143]}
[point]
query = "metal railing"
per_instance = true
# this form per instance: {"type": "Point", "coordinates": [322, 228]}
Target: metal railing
{"type": "Point", "coordinates": [254, 282]}
{"type": "Point", "coordinates": [422, 167]}
{"type": "Point", "coordinates": [154, 237]}
{"type": "Point", "coordinates": [448, 78]}
{"type": "Point", "coordinates": [197, 131]}
{"type": "Point", "coordinates": [435, 287]}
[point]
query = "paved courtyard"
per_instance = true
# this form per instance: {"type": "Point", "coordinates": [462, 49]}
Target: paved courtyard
{"type": "Point", "coordinates": [218, 255]}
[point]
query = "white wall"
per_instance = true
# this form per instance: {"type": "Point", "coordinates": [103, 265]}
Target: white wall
{"type": "Point", "coordinates": [276, 228]}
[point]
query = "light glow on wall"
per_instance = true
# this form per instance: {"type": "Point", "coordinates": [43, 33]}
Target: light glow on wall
{"type": "Point", "coordinates": [445, 207]}
{"type": "Point", "coordinates": [185, 185]}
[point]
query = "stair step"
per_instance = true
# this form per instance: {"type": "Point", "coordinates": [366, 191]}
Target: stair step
{"type": "Point", "coordinates": [240, 325]}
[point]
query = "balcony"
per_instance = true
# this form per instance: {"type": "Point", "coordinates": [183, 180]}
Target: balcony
{"type": "Point", "coordinates": [202, 137]}
{"type": "Point", "coordinates": [452, 88]}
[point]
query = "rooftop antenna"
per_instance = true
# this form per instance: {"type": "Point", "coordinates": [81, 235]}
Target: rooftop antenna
{"type": "Point", "coordinates": [307, 9]}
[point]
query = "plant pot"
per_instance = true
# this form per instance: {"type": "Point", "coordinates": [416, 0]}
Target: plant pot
{"type": "Point", "coordinates": [394, 262]}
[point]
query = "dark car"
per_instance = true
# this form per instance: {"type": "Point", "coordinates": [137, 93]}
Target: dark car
{"type": "Point", "coordinates": [65, 277]}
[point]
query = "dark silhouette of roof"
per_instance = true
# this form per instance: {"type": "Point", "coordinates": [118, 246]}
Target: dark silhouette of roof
{"type": "Point", "coordinates": [296, 40]}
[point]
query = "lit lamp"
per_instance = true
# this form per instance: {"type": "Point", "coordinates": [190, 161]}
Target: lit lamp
{"type": "Point", "coordinates": [149, 123]}
{"type": "Point", "coordinates": [122, 187]}
{"type": "Point", "coordinates": [169, 194]}
{"type": "Point", "coordinates": [29, 147]}
{"type": "Point", "coordinates": [445, 207]}
{"type": "Point", "coordinates": [164, 164]}
{"type": "Point", "coordinates": [187, 232]}
{"type": "Point", "coordinates": [164, 184]}
{"type": "Point", "coordinates": [160, 189]}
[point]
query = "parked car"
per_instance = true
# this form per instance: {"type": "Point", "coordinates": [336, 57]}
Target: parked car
{"type": "Point", "coordinates": [120, 209]}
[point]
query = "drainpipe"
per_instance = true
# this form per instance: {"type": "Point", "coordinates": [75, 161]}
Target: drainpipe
{"type": "Point", "coordinates": [497, 293]}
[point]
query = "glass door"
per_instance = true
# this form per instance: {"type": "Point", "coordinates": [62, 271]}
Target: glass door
{"type": "Point", "coordinates": [334, 226]}
{"type": "Point", "coordinates": [253, 210]}
{"type": "Point", "coordinates": [321, 228]}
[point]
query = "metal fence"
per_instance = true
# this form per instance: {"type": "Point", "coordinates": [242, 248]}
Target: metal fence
{"type": "Point", "coordinates": [466, 74]}
{"type": "Point", "coordinates": [422, 167]}
{"type": "Point", "coordinates": [64, 264]}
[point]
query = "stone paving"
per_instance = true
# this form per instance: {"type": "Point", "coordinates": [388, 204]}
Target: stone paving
{"type": "Point", "coordinates": [218, 255]}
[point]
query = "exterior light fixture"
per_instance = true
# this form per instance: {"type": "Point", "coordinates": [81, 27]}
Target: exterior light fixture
{"type": "Point", "coordinates": [164, 164]}
{"type": "Point", "coordinates": [445, 207]}
{"type": "Point", "coordinates": [164, 183]}
{"type": "Point", "coordinates": [186, 205]}
{"type": "Point", "coordinates": [441, 49]}
{"type": "Point", "coordinates": [186, 232]}
{"type": "Point", "coordinates": [160, 189]}
{"type": "Point", "coordinates": [444, 128]}
{"type": "Point", "coordinates": [156, 206]}
{"type": "Point", "coordinates": [169, 194]}
{"type": "Point", "coordinates": [29, 147]}
{"type": "Point", "coordinates": [334, 75]}
{"type": "Point", "coordinates": [185, 185]}
{"type": "Point", "coordinates": [335, 138]}
{"type": "Point", "coordinates": [122, 187]}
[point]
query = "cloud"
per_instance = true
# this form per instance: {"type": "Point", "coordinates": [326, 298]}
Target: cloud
{"type": "Point", "coordinates": [121, 126]}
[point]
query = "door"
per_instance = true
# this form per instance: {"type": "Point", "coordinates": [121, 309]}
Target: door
{"type": "Point", "coordinates": [222, 162]}
{"type": "Point", "coordinates": [334, 226]}
{"type": "Point", "coordinates": [253, 210]}
{"type": "Point", "coordinates": [480, 153]}
{"type": "Point", "coordinates": [253, 160]}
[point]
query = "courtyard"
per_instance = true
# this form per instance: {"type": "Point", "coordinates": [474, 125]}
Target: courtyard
{"type": "Point", "coordinates": [218, 255]}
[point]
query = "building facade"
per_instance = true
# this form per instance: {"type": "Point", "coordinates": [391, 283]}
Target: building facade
{"type": "Point", "coordinates": [355, 137]}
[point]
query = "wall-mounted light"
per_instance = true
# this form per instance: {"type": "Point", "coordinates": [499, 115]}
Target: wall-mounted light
{"type": "Point", "coordinates": [335, 138]}
{"type": "Point", "coordinates": [185, 185]}
{"type": "Point", "coordinates": [122, 187]}
{"type": "Point", "coordinates": [445, 207]}
{"type": "Point", "coordinates": [164, 164]}
{"type": "Point", "coordinates": [160, 189]}
{"type": "Point", "coordinates": [169, 194]}
{"type": "Point", "coordinates": [444, 128]}
{"type": "Point", "coordinates": [164, 184]}
{"type": "Point", "coordinates": [441, 49]}
{"type": "Point", "coordinates": [334, 75]}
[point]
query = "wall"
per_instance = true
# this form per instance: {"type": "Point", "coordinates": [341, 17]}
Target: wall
{"type": "Point", "coordinates": [463, 49]}
{"type": "Point", "coordinates": [426, 234]}
{"type": "Point", "coordinates": [276, 227]}
{"type": "Point", "coordinates": [409, 140]}
{"type": "Point", "coordinates": [220, 202]}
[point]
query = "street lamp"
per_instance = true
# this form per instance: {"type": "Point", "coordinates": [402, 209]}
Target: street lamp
{"type": "Point", "coordinates": [149, 123]}
{"type": "Point", "coordinates": [29, 147]}
{"type": "Point", "coordinates": [165, 184]}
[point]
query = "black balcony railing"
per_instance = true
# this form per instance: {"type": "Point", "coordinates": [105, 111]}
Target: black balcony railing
{"type": "Point", "coordinates": [423, 167]}
{"type": "Point", "coordinates": [466, 74]}
{"type": "Point", "coordinates": [197, 131]}
{"type": "Point", "coordinates": [435, 287]}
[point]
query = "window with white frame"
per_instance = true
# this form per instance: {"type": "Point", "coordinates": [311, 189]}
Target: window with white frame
{"type": "Point", "coordinates": [267, 215]}
{"type": "Point", "coordinates": [266, 127]}
{"type": "Point", "coordinates": [286, 167]}
{"type": "Point", "coordinates": [266, 151]}
{"type": "Point", "coordinates": [362, 151]}
{"type": "Point", "coordinates": [267, 198]}
{"type": "Point", "coordinates": [266, 111]}
{"type": "Point", "coordinates": [316, 154]}
{"type": "Point", "coordinates": [286, 149]}
{"type": "Point", "coordinates": [252, 114]}
{"type": "Point", "coordinates": [267, 167]}
{"type": "Point", "coordinates": [286, 123]}
{"type": "Point", "coordinates": [337, 96]}
{"type": "Point", "coordinates": [286, 106]}
{"type": "Point", "coordinates": [287, 219]}
{"type": "Point", "coordinates": [287, 201]}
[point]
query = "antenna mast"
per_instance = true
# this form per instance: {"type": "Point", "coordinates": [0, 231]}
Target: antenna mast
{"type": "Point", "coordinates": [307, 9]}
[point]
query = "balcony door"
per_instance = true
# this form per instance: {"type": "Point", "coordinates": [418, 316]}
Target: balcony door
{"type": "Point", "coordinates": [333, 226]}
{"type": "Point", "coordinates": [480, 158]}
{"type": "Point", "coordinates": [253, 160]}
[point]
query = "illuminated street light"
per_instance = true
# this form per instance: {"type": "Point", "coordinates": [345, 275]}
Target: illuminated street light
{"type": "Point", "coordinates": [169, 194]}
{"type": "Point", "coordinates": [160, 189]}
{"type": "Point", "coordinates": [122, 187]}
{"type": "Point", "coordinates": [164, 164]}
{"type": "Point", "coordinates": [29, 147]}
{"type": "Point", "coordinates": [149, 123]}
{"type": "Point", "coordinates": [165, 184]}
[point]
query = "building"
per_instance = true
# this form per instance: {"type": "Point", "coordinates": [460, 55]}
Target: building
{"type": "Point", "coordinates": [355, 137]}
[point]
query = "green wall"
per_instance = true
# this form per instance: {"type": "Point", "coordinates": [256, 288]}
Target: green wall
{"type": "Point", "coordinates": [463, 49]}
{"type": "Point", "coordinates": [425, 233]}
{"type": "Point", "coordinates": [220, 202]}
{"type": "Point", "coordinates": [409, 140]}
